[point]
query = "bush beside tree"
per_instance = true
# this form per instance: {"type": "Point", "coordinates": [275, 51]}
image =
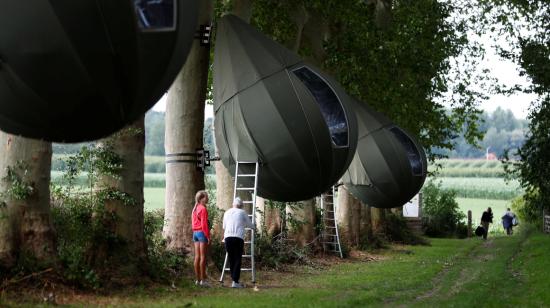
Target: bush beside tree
{"type": "Point", "coordinates": [441, 215]}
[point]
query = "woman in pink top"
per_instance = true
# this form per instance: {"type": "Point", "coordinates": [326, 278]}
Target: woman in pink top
{"type": "Point", "coordinates": [201, 236]}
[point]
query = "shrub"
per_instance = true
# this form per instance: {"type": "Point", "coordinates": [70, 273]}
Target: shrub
{"type": "Point", "coordinates": [441, 214]}
{"type": "Point", "coordinates": [77, 235]}
{"type": "Point", "coordinates": [396, 230]}
{"type": "Point", "coordinates": [526, 211]}
{"type": "Point", "coordinates": [163, 264]}
{"type": "Point", "coordinates": [274, 252]}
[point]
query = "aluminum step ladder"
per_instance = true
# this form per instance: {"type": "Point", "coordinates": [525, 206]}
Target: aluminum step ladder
{"type": "Point", "coordinates": [330, 237]}
{"type": "Point", "coordinates": [246, 186]}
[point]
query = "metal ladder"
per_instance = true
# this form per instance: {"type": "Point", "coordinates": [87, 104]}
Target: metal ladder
{"type": "Point", "coordinates": [330, 237]}
{"type": "Point", "coordinates": [246, 185]}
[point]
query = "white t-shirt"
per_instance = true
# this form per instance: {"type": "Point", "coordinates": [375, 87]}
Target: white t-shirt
{"type": "Point", "coordinates": [235, 221]}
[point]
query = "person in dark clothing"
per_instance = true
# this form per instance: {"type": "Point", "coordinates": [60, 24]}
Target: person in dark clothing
{"type": "Point", "coordinates": [486, 219]}
{"type": "Point", "coordinates": [508, 222]}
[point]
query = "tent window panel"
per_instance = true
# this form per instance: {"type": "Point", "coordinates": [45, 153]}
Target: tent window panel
{"type": "Point", "coordinates": [412, 151]}
{"type": "Point", "coordinates": [156, 15]}
{"type": "Point", "coordinates": [331, 108]}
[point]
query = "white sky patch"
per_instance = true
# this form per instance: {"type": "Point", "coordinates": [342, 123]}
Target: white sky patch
{"type": "Point", "coordinates": [508, 74]}
{"type": "Point", "coordinates": [160, 106]}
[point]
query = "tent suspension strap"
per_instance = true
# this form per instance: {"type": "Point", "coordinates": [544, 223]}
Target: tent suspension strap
{"type": "Point", "coordinates": [204, 34]}
{"type": "Point", "coordinates": [201, 158]}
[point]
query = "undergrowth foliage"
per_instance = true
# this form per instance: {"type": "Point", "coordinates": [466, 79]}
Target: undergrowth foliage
{"type": "Point", "coordinates": [164, 265]}
{"type": "Point", "coordinates": [274, 251]}
{"type": "Point", "coordinates": [18, 188]}
{"type": "Point", "coordinates": [79, 215]}
{"type": "Point", "coordinates": [88, 248]}
{"type": "Point", "coordinates": [441, 215]}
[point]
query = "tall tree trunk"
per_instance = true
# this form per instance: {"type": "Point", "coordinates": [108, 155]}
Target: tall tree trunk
{"type": "Point", "coordinates": [304, 231]}
{"type": "Point", "coordinates": [184, 134]}
{"type": "Point", "coordinates": [269, 219]}
{"type": "Point", "coordinates": [383, 14]}
{"type": "Point", "coordinates": [343, 215]}
{"type": "Point", "coordinates": [355, 221]}
{"type": "Point", "coordinates": [25, 224]}
{"type": "Point", "coordinates": [224, 180]}
{"type": "Point", "coordinates": [378, 219]}
{"type": "Point", "coordinates": [365, 223]}
{"type": "Point", "coordinates": [129, 144]}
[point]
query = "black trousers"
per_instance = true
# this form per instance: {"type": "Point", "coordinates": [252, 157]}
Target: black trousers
{"type": "Point", "coordinates": [234, 247]}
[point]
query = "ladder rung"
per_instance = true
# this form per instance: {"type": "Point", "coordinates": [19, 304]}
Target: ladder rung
{"type": "Point", "coordinates": [247, 256]}
{"type": "Point", "coordinates": [242, 269]}
{"type": "Point", "coordinates": [248, 229]}
{"type": "Point", "coordinates": [332, 243]}
{"type": "Point", "coordinates": [247, 242]}
{"type": "Point", "coordinates": [245, 188]}
{"type": "Point", "coordinates": [330, 227]}
{"type": "Point", "coordinates": [250, 215]}
{"type": "Point", "coordinates": [246, 175]}
{"type": "Point", "coordinates": [329, 218]}
{"type": "Point", "coordinates": [248, 202]}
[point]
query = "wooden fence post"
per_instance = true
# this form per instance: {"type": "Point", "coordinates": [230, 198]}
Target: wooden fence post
{"type": "Point", "coordinates": [469, 223]}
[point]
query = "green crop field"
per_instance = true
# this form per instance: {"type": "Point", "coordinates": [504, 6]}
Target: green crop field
{"type": "Point", "coordinates": [484, 188]}
{"type": "Point", "coordinates": [151, 179]}
{"type": "Point", "coordinates": [468, 168]}
{"type": "Point", "coordinates": [154, 198]}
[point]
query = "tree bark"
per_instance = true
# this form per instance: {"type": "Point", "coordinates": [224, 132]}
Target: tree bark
{"type": "Point", "coordinates": [184, 134]}
{"type": "Point", "coordinates": [269, 221]}
{"type": "Point", "coordinates": [25, 225]}
{"type": "Point", "coordinates": [343, 214]}
{"type": "Point", "coordinates": [355, 221]}
{"type": "Point", "coordinates": [129, 144]}
{"type": "Point", "coordinates": [365, 223]}
{"type": "Point", "coordinates": [242, 9]}
{"type": "Point", "coordinates": [378, 218]}
{"type": "Point", "coordinates": [304, 232]}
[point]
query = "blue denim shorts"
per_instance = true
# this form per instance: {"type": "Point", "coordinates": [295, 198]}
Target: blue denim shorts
{"type": "Point", "coordinates": [198, 236]}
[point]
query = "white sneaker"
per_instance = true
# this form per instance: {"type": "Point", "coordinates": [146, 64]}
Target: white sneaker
{"type": "Point", "coordinates": [196, 282]}
{"type": "Point", "coordinates": [236, 285]}
{"type": "Point", "coordinates": [204, 283]}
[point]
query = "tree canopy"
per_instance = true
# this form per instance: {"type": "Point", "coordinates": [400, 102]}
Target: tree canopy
{"type": "Point", "coordinates": [526, 26]}
{"type": "Point", "coordinates": [401, 57]}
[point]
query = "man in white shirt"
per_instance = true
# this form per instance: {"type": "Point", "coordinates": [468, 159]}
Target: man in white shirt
{"type": "Point", "coordinates": [235, 220]}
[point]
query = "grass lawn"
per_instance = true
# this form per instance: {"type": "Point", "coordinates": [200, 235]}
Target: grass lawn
{"type": "Point", "coordinates": [503, 271]}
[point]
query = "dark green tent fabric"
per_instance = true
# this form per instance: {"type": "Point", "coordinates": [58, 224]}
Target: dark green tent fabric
{"type": "Point", "coordinates": [80, 70]}
{"type": "Point", "coordinates": [273, 108]}
{"type": "Point", "coordinates": [389, 166]}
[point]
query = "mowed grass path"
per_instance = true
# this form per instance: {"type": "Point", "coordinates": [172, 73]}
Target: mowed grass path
{"type": "Point", "coordinates": [503, 271]}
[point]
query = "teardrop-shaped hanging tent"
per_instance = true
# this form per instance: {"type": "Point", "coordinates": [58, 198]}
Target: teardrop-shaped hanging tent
{"type": "Point", "coordinates": [389, 166]}
{"type": "Point", "coordinates": [80, 70]}
{"type": "Point", "coordinates": [273, 108]}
